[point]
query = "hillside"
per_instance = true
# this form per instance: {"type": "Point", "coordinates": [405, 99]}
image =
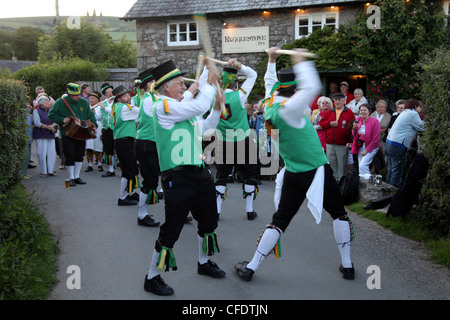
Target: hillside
{"type": "Point", "coordinates": [115, 27]}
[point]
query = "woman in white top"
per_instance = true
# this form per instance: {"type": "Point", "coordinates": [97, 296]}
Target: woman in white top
{"type": "Point", "coordinates": [357, 102]}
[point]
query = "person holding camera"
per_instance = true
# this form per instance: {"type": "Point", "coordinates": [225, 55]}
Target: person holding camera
{"type": "Point", "coordinates": [366, 139]}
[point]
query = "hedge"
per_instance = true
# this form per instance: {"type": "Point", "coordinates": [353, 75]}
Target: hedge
{"type": "Point", "coordinates": [13, 137]}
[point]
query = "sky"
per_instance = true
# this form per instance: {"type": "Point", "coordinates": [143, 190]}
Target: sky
{"type": "Point", "coordinates": [41, 8]}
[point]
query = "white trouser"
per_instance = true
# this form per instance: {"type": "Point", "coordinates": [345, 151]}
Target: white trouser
{"type": "Point", "coordinates": [365, 161]}
{"type": "Point", "coordinates": [46, 152]}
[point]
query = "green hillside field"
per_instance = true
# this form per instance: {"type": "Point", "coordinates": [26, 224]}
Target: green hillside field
{"type": "Point", "coordinates": [115, 27]}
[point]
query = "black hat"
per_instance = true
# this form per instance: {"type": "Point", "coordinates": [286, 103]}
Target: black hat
{"type": "Point", "coordinates": [145, 77]}
{"type": "Point", "coordinates": [230, 70]}
{"type": "Point", "coordinates": [96, 94]}
{"type": "Point", "coordinates": [106, 86]}
{"type": "Point", "coordinates": [339, 96]}
{"type": "Point", "coordinates": [287, 80]}
{"type": "Point", "coordinates": [165, 72]}
{"type": "Point", "coordinates": [119, 91]}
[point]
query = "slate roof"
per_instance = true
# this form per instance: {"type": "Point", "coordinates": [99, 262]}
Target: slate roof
{"type": "Point", "coordinates": [171, 8]}
{"type": "Point", "coordinates": [14, 65]}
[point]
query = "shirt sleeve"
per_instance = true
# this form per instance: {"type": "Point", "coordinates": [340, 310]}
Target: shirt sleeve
{"type": "Point", "coordinates": [129, 113]}
{"type": "Point", "coordinates": [270, 78]}
{"type": "Point", "coordinates": [248, 84]}
{"type": "Point", "coordinates": [36, 118]}
{"type": "Point", "coordinates": [308, 87]}
{"type": "Point", "coordinates": [186, 109]}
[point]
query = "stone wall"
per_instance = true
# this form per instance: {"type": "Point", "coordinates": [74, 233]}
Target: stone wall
{"type": "Point", "coordinates": [152, 46]}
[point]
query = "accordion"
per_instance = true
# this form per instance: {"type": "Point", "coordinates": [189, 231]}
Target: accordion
{"type": "Point", "coordinates": [79, 129]}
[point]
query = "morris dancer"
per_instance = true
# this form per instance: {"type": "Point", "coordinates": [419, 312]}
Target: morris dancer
{"type": "Point", "coordinates": [146, 153]}
{"type": "Point", "coordinates": [187, 184]}
{"type": "Point", "coordinates": [234, 131]}
{"type": "Point", "coordinates": [124, 119]}
{"type": "Point", "coordinates": [73, 149]}
{"type": "Point", "coordinates": [307, 173]}
{"type": "Point", "coordinates": [108, 130]}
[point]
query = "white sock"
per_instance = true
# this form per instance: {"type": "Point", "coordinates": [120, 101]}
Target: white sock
{"type": "Point", "coordinates": [266, 244]}
{"type": "Point", "coordinates": [111, 168]}
{"type": "Point", "coordinates": [153, 272]}
{"type": "Point", "coordinates": [342, 236]}
{"type": "Point", "coordinates": [77, 169]}
{"type": "Point", "coordinates": [142, 206]}
{"type": "Point", "coordinates": [202, 257]}
{"type": "Point", "coordinates": [70, 170]}
{"type": "Point", "coordinates": [219, 199]}
{"type": "Point", "coordinates": [249, 200]}
{"type": "Point", "coordinates": [123, 189]}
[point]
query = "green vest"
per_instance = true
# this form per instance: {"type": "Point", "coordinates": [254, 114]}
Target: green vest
{"type": "Point", "coordinates": [122, 128]}
{"type": "Point", "coordinates": [300, 149]}
{"type": "Point", "coordinates": [180, 145]}
{"type": "Point", "coordinates": [107, 119]}
{"type": "Point", "coordinates": [145, 129]}
{"type": "Point", "coordinates": [236, 121]}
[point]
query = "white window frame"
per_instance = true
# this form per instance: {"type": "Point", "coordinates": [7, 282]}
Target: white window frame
{"type": "Point", "coordinates": [310, 15]}
{"type": "Point", "coordinates": [178, 42]}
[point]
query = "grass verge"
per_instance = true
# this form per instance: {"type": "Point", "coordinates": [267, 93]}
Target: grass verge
{"type": "Point", "coordinates": [411, 227]}
{"type": "Point", "coordinates": [28, 251]}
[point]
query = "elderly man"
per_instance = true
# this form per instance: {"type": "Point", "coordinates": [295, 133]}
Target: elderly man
{"type": "Point", "coordinates": [186, 183]}
{"type": "Point", "coordinates": [74, 150]}
{"type": "Point", "coordinates": [338, 135]}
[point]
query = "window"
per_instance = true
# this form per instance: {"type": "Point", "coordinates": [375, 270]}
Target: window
{"type": "Point", "coordinates": [307, 23]}
{"type": "Point", "coordinates": [182, 33]}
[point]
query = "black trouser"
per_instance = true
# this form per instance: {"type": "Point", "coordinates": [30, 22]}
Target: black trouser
{"type": "Point", "coordinates": [293, 193]}
{"type": "Point", "coordinates": [147, 156]}
{"type": "Point", "coordinates": [187, 188]}
{"type": "Point", "coordinates": [73, 150]}
{"type": "Point", "coordinates": [127, 157]}
{"type": "Point", "coordinates": [247, 162]}
{"type": "Point", "coordinates": [108, 141]}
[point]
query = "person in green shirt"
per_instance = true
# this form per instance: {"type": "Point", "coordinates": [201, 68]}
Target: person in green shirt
{"type": "Point", "coordinates": [187, 183]}
{"type": "Point", "coordinates": [73, 149]}
{"type": "Point", "coordinates": [124, 120]}
{"type": "Point", "coordinates": [307, 173]}
{"type": "Point", "coordinates": [146, 153]}
{"type": "Point", "coordinates": [108, 129]}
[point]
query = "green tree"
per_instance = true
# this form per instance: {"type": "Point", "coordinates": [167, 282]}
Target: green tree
{"type": "Point", "coordinates": [88, 43]}
{"type": "Point", "coordinates": [25, 43]}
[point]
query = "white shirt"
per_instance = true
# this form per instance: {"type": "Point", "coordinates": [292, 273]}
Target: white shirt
{"type": "Point", "coordinates": [308, 88]}
{"type": "Point", "coordinates": [247, 86]}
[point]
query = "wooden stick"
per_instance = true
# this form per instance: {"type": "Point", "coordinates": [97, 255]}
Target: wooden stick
{"type": "Point", "coordinates": [189, 79]}
{"type": "Point", "coordinates": [199, 67]}
{"type": "Point", "coordinates": [292, 52]}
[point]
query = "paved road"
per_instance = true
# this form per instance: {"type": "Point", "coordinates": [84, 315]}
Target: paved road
{"type": "Point", "coordinates": [113, 252]}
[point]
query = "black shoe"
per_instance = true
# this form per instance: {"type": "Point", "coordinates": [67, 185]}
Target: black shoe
{"type": "Point", "coordinates": [347, 273]}
{"type": "Point", "coordinates": [188, 219]}
{"type": "Point", "coordinates": [160, 195]}
{"type": "Point", "coordinates": [148, 222]}
{"type": "Point", "coordinates": [31, 166]}
{"type": "Point", "coordinates": [251, 215]}
{"type": "Point", "coordinates": [126, 202]}
{"type": "Point", "coordinates": [157, 286]}
{"type": "Point", "coordinates": [73, 183]}
{"type": "Point", "coordinates": [89, 169]}
{"type": "Point", "coordinates": [109, 174]}
{"type": "Point", "coordinates": [134, 196]}
{"type": "Point", "coordinates": [244, 272]}
{"type": "Point", "coordinates": [210, 269]}
{"type": "Point", "coordinates": [100, 168]}
{"type": "Point", "coordinates": [79, 181]}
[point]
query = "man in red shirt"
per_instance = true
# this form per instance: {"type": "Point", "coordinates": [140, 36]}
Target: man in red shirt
{"type": "Point", "coordinates": [336, 122]}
